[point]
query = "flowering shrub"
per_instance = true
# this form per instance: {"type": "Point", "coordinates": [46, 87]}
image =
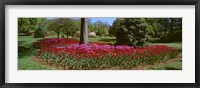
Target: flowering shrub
{"type": "Point", "coordinates": [70, 55]}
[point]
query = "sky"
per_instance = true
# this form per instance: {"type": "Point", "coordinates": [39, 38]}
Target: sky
{"type": "Point", "coordinates": [109, 20]}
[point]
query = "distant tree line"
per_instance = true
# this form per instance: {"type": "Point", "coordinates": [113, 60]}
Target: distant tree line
{"type": "Point", "coordinates": [60, 26]}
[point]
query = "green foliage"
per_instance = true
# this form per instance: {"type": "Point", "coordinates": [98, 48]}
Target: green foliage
{"type": "Point", "coordinates": [105, 31]}
{"type": "Point", "coordinates": [132, 31]}
{"type": "Point", "coordinates": [56, 26]}
{"type": "Point", "coordinates": [170, 30]}
{"type": "Point", "coordinates": [65, 26]}
{"type": "Point", "coordinates": [72, 27]}
{"type": "Point", "coordinates": [42, 23]}
{"type": "Point", "coordinates": [101, 28]}
{"type": "Point", "coordinates": [39, 33]}
{"type": "Point", "coordinates": [91, 27]}
{"type": "Point", "coordinates": [26, 25]}
{"type": "Point", "coordinates": [165, 30]}
{"type": "Point", "coordinates": [115, 25]}
{"type": "Point", "coordinates": [153, 28]}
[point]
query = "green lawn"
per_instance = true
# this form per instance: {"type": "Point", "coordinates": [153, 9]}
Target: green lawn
{"type": "Point", "coordinates": [177, 45]}
{"type": "Point", "coordinates": [26, 53]}
{"type": "Point", "coordinates": [25, 61]}
{"type": "Point", "coordinates": [173, 66]}
{"type": "Point", "coordinates": [100, 39]}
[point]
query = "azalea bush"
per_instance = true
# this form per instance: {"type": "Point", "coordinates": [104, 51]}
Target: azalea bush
{"type": "Point", "coordinates": [71, 55]}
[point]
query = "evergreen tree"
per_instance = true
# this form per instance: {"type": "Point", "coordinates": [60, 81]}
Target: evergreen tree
{"type": "Point", "coordinates": [132, 31]}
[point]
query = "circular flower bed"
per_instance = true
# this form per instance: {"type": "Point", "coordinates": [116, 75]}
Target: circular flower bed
{"type": "Point", "coordinates": [67, 53]}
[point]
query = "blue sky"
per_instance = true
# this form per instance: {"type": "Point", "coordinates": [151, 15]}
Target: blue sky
{"type": "Point", "coordinates": [109, 20]}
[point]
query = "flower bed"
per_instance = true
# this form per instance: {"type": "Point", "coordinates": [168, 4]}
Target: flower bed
{"type": "Point", "coordinates": [71, 55]}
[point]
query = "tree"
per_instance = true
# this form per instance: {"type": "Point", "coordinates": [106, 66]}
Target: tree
{"type": "Point", "coordinates": [91, 27]}
{"type": "Point", "coordinates": [39, 33]}
{"type": "Point", "coordinates": [75, 27]}
{"type": "Point", "coordinates": [132, 32]}
{"type": "Point", "coordinates": [84, 31]}
{"type": "Point", "coordinates": [165, 29]}
{"type": "Point", "coordinates": [171, 29]}
{"type": "Point", "coordinates": [115, 25]}
{"type": "Point", "coordinates": [101, 27]}
{"type": "Point", "coordinates": [26, 25]}
{"type": "Point", "coordinates": [67, 26]}
{"type": "Point", "coordinates": [57, 26]}
{"type": "Point", "coordinates": [42, 23]}
{"type": "Point", "coordinates": [153, 28]}
{"type": "Point", "coordinates": [98, 26]}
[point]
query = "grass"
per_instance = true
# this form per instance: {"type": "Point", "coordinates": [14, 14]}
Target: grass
{"type": "Point", "coordinates": [100, 39]}
{"type": "Point", "coordinates": [25, 62]}
{"type": "Point", "coordinates": [27, 41]}
{"type": "Point", "coordinates": [177, 45]}
{"type": "Point", "coordinates": [26, 53]}
{"type": "Point", "coordinates": [172, 66]}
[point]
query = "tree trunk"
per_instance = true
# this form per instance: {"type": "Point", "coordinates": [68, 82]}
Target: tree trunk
{"type": "Point", "coordinates": [166, 28]}
{"type": "Point", "coordinates": [72, 36]}
{"type": "Point", "coordinates": [58, 34]}
{"type": "Point", "coordinates": [165, 32]}
{"type": "Point", "coordinates": [171, 26]}
{"type": "Point", "coordinates": [84, 31]}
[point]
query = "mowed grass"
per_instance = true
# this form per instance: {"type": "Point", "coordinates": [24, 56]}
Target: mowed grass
{"type": "Point", "coordinates": [171, 66]}
{"type": "Point", "coordinates": [177, 45]}
{"type": "Point", "coordinates": [25, 61]}
{"type": "Point", "coordinates": [26, 53]}
{"type": "Point", "coordinates": [100, 39]}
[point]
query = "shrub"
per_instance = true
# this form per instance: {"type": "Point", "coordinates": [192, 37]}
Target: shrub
{"type": "Point", "coordinates": [39, 33]}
